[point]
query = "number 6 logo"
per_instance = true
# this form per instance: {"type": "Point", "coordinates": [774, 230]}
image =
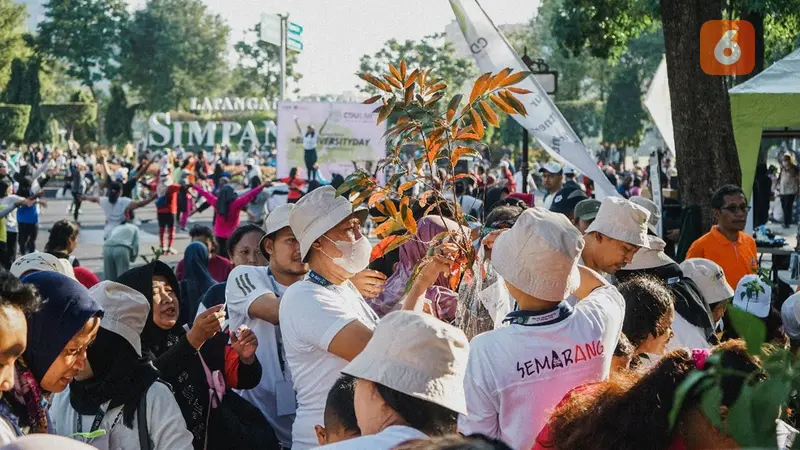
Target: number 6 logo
{"type": "Point", "coordinates": [727, 47]}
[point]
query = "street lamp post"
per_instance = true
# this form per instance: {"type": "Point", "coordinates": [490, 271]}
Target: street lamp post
{"type": "Point", "coordinates": [548, 79]}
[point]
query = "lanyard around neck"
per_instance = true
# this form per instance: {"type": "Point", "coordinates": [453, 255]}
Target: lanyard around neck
{"type": "Point", "coordinates": [540, 318]}
{"type": "Point", "coordinates": [318, 279]}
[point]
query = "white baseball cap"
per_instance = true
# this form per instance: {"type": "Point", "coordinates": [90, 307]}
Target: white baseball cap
{"type": "Point", "coordinates": [552, 167]}
{"type": "Point", "coordinates": [569, 171]}
{"type": "Point", "coordinates": [418, 355]}
{"type": "Point", "coordinates": [41, 262]}
{"type": "Point", "coordinates": [655, 214]}
{"type": "Point", "coordinates": [539, 255]}
{"type": "Point", "coordinates": [709, 278]}
{"type": "Point", "coordinates": [650, 258]}
{"type": "Point", "coordinates": [125, 311]}
{"type": "Point", "coordinates": [622, 220]}
{"type": "Point", "coordinates": [790, 316]}
{"type": "Point", "coordinates": [250, 162]}
{"type": "Point", "coordinates": [753, 295]}
{"type": "Point", "coordinates": [316, 213]}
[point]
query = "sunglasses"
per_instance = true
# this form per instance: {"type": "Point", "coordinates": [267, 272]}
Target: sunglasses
{"type": "Point", "coordinates": [734, 209]}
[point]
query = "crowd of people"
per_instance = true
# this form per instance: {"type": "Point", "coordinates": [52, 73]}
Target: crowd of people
{"type": "Point", "coordinates": [574, 329]}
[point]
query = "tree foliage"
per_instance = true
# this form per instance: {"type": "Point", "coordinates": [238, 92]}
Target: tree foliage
{"type": "Point", "coordinates": [86, 36]}
{"type": "Point", "coordinates": [12, 46]}
{"type": "Point", "coordinates": [257, 72]}
{"type": "Point", "coordinates": [14, 94]}
{"type": "Point", "coordinates": [174, 49]}
{"type": "Point", "coordinates": [433, 52]}
{"type": "Point", "coordinates": [13, 122]}
{"type": "Point", "coordinates": [36, 130]}
{"type": "Point", "coordinates": [119, 116]}
{"type": "Point", "coordinates": [77, 118]}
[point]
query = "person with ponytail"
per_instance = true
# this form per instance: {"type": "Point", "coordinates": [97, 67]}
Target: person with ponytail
{"type": "Point", "coordinates": [632, 411]}
{"type": "Point", "coordinates": [63, 240]}
{"type": "Point", "coordinates": [227, 209]}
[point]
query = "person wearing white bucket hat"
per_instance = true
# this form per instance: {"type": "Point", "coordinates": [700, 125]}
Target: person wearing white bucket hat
{"type": "Point", "coordinates": [617, 233]}
{"type": "Point", "coordinates": [409, 382]}
{"type": "Point", "coordinates": [41, 262]}
{"type": "Point", "coordinates": [518, 373]}
{"type": "Point", "coordinates": [252, 296]}
{"type": "Point", "coordinates": [790, 317]}
{"type": "Point", "coordinates": [710, 279]}
{"type": "Point", "coordinates": [649, 205]}
{"type": "Point", "coordinates": [117, 381]}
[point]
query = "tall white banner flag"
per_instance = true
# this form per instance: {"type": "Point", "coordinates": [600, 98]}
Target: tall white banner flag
{"type": "Point", "coordinates": [655, 189]}
{"type": "Point", "coordinates": [657, 101]}
{"type": "Point", "coordinates": [544, 121]}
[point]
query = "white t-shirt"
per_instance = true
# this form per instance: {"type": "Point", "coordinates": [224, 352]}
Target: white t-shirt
{"type": "Point", "coordinates": [115, 213]}
{"type": "Point", "coordinates": [310, 142]}
{"type": "Point", "coordinates": [245, 284]}
{"type": "Point", "coordinates": [11, 219]}
{"type": "Point", "coordinates": [548, 200]}
{"type": "Point", "coordinates": [387, 439]}
{"type": "Point", "coordinates": [517, 374]}
{"type": "Point", "coordinates": [311, 316]}
{"type": "Point", "coordinates": [686, 335]}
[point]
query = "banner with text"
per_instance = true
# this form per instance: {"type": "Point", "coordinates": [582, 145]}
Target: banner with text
{"type": "Point", "coordinates": [349, 134]}
{"type": "Point", "coordinates": [544, 121]}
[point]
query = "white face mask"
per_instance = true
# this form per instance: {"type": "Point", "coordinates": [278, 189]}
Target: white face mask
{"type": "Point", "coordinates": [355, 255]}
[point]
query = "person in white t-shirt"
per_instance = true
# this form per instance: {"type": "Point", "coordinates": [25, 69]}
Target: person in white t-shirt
{"type": "Point", "coordinates": [518, 373]}
{"type": "Point", "coordinates": [252, 296]}
{"type": "Point", "coordinates": [617, 233]}
{"type": "Point", "coordinates": [409, 382]}
{"type": "Point", "coordinates": [310, 140]}
{"type": "Point", "coordinates": [116, 207]}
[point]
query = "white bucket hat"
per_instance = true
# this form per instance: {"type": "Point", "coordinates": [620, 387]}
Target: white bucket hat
{"type": "Point", "coordinates": [278, 218]}
{"type": "Point", "coordinates": [539, 255]}
{"type": "Point", "coordinates": [622, 220]}
{"type": "Point", "coordinates": [757, 303]}
{"type": "Point", "coordinates": [316, 213]}
{"type": "Point", "coordinates": [655, 214]}
{"type": "Point", "coordinates": [418, 355]}
{"type": "Point", "coordinates": [125, 311]}
{"type": "Point", "coordinates": [41, 262]}
{"type": "Point", "coordinates": [790, 316]}
{"type": "Point", "coordinates": [709, 278]}
{"type": "Point", "coordinates": [650, 258]}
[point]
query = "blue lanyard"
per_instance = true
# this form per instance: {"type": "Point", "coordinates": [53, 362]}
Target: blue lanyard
{"type": "Point", "coordinates": [278, 337]}
{"type": "Point", "coordinates": [540, 318]}
{"type": "Point", "coordinates": [318, 279]}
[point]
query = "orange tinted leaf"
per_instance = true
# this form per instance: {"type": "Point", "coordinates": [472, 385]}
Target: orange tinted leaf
{"type": "Point", "coordinates": [384, 112]}
{"type": "Point", "coordinates": [383, 228]}
{"type": "Point", "coordinates": [375, 82]}
{"type": "Point", "coordinates": [479, 87]}
{"type": "Point", "coordinates": [372, 99]}
{"type": "Point", "coordinates": [411, 78]}
{"type": "Point", "coordinates": [375, 198]}
{"type": "Point", "coordinates": [453, 280]}
{"type": "Point", "coordinates": [514, 79]}
{"type": "Point", "coordinates": [516, 104]}
{"type": "Point", "coordinates": [382, 209]}
{"type": "Point", "coordinates": [463, 175]}
{"type": "Point", "coordinates": [490, 115]}
{"type": "Point", "coordinates": [430, 208]}
{"type": "Point", "coordinates": [458, 153]}
{"type": "Point", "coordinates": [408, 218]}
{"type": "Point", "coordinates": [423, 199]}
{"type": "Point", "coordinates": [394, 82]}
{"type": "Point", "coordinates": [520, 91]}
{"type": "Point", "coordinates": [502, 104]}
{"type": "Point", "coordinates": [395, 72]}
{"type": "Point", "coordinates": [391, 209]}
{"type": "Point", "coordinates": [436, 88]}
{"type": "Point", "coordinates": [403, 69]}
{"type": "Point", "coordinates": [499, 78]}
{"type": "Point", "coordinates": [406, 186]}
{"type": "Point", "coordinates": [435, 98]}
{"type": "Point", "coordinates": [388, 244]}
{"type": "Point", "coordinates": [409, 97]}
{"type": "Point", "coordinates": [477, 123]}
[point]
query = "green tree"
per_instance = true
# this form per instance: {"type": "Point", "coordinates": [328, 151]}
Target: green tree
{"type": "Point", "coordinates": [432, 52]}
{"type": "Point", "coordinates": [624, 118]}
{"type": "Point", "coordinates": [36, 130]}
{"type": "Point", "coordinates": [174, 49]}
{"type": "Point", "coordinates": [12, 46]}
{"type": "Point", "coordinates": [119, 117]}
{"type": "Point", "coordinates": [86, 35]}
{"type": "Point", "coordinates": [14, 93]}
{"type": "Point", "coordinates": [258, 70]}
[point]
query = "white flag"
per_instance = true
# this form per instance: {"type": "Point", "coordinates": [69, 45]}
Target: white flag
{"type": "Point", "coordinates": [544, 121]}
{"type": "Point", "coordinates": [655, 189]}
{"type": "Point", "coordinates": [657, 101]}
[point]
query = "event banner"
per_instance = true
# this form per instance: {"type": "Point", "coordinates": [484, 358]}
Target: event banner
{"type": "Point", "coordinates": [544, 121]}
{"type": "Point", "coordinates": [349, 135]}
{"type": "Point", "coordinates": [655, 189]}
{"type": "Point", "coordinates": [657, 101]}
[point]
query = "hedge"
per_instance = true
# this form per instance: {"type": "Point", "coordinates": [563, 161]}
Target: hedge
{"type": "Point", "coordinates": [585, 116]}
{"type": "Point", "coordinates": [13, 122]}
{"type": "Point", "coordinates": [70, 114]}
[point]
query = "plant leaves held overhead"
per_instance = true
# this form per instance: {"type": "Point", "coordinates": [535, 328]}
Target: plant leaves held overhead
{"type": "Point", "coordinates": [403, 69]}
{"type": "Point", "coordinates": [489, 114]}
{"type": "Point", "coordinates": [514, 79]}
{"type": "Point", "coordinates": [372, 99]}
{"type": "Point", "coordinates": [411, 78]}
{"type": "Point", "coordinates": [498, 78]}
{"type": "Point", "coordinates": [395, 72]}
{"type": "Point", "coordinates": [502, 104]}
{"type": "Point", "coordinates": [477, 123]}
{"type": "Point", "coordinates": [388, 244]}
{"type": "Point", "coordinates": [393, 81]}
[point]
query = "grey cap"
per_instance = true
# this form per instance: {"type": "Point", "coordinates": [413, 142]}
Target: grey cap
{"type": "Point", "coordinates": [587, 209]}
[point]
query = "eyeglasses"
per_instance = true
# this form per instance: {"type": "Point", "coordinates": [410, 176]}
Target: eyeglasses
{"type": "Point", "coordinates": [734, 209]}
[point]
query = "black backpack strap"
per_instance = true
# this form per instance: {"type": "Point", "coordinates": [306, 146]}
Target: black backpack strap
{"type": "Point", "coordinates": [145, 443]}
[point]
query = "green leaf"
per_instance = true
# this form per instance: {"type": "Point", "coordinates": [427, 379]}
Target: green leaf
{"type": "Point", "coordinates": [749, 327]}
{"type": "Point", "coordinates": [680, 394]}
{"type": "Point", "coordinates": [710, 403]}
{"type": "Point", "coordinates": [350, 182]}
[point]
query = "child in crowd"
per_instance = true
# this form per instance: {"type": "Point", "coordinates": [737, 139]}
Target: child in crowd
{"type": "Point", "coordinates": [340, 414]}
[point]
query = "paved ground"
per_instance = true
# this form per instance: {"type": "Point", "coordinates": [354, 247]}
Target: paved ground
{"type": "Point", "coordinates": [92, 220]}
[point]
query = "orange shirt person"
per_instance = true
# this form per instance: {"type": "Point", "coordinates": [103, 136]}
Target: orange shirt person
{"type": "Point", "coordinates": [295, 185]}
{"type": "Point", "coordinates": [727, 244]}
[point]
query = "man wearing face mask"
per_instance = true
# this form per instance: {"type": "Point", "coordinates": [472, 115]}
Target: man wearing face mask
{"type": "Point", "coordinates": [115, 207]}
{"type": "Point", "coordinates": [325, 322]}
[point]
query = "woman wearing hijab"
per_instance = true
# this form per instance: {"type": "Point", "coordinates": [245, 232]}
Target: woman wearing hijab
{"type": "Point", "coordinates": [174, 350]}
{"type": "Point", "coordinates": [58, 337]}
{"type": "Point", "coordinates": [443, 299]}
{"type": "Point", "coordinates": [227, 208]}
{"type": "Point", "coordinates": [196, 279]}
{"type": "Point", "coordinates": [117, 392]}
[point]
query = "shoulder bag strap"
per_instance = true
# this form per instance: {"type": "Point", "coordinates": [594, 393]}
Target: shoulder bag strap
{"type": "Point", "coordinates": [141, 416]}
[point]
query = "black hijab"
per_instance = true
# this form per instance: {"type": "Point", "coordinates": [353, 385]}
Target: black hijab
{"type": "Point", "coordinates": [155, 340]}
{"type": "Point", "coordinates": [120, 376]}
{"type": "Point", "coordinates": [689, 302]}
{"type": "Point", "coordinates": [225, 197]}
